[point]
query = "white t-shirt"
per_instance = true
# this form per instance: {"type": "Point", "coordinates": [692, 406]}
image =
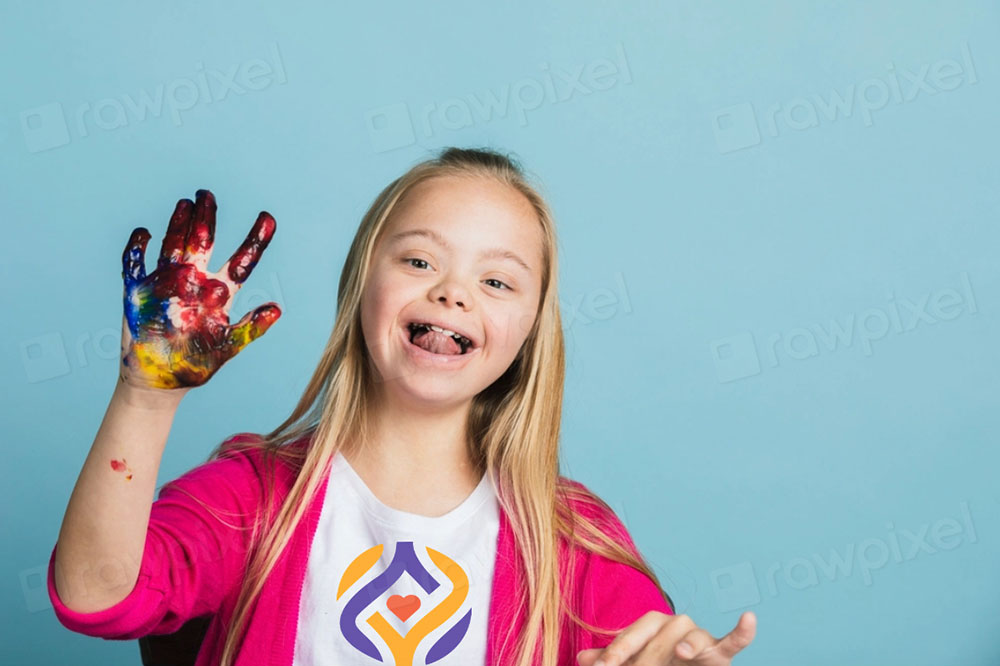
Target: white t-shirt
{"type": "Point", "coordinates": [384, 586]}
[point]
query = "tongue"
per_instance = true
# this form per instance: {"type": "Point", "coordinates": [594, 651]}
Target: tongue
{"type": "Point", "coordinates": [438, 343]}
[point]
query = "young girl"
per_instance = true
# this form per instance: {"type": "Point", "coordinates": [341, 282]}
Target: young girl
{"type": "Point", "coordinates": [410, 509]}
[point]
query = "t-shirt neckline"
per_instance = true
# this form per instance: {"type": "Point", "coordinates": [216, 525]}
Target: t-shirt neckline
{"type": "Point", "coordinates": [404, 519]}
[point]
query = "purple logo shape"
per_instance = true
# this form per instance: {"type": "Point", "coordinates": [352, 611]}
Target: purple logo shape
{"type": "Point", "coordinates": [404, 561]}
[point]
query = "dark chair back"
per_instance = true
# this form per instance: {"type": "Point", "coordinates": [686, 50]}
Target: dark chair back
{"type": "Point", "coordinates": [177, 649]}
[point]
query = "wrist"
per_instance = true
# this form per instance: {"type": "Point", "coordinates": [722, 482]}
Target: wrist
{"type": "Point", "coordinates": [148, 398]}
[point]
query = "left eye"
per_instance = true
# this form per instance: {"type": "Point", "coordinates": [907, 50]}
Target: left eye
{"type": "Point", "coordinates": [505, 285]}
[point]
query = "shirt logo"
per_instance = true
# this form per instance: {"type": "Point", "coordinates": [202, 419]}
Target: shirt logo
{"type": "Point", "coordinates": [403, 647]}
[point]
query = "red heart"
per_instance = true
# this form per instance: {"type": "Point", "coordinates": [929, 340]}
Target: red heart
{"type": "Point", "coordinates": [403, 607]}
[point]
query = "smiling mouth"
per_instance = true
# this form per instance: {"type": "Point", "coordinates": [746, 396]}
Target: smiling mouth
{"type": "Point", "coordinates": [417, 330]}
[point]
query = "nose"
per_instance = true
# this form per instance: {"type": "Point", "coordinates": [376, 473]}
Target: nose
{"type": "Point", "coordinates": [451, 291]}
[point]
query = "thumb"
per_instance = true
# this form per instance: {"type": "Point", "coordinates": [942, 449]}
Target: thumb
{"type": "Point", "coordinates": [588, 657]}
{"type": "Point", "coordinates": [253, 325]}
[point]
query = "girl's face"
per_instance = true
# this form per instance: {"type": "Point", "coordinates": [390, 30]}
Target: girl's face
{"type": "Point", "coordinates": [465, 254]}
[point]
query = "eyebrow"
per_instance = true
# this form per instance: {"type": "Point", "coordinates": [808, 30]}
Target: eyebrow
{"type": "Point", "coordinates": [492, 253]}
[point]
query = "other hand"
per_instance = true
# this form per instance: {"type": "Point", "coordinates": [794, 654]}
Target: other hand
{"type": "Point", "coordinates": [658, 639]}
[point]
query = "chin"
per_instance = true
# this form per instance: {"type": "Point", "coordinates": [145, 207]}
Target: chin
{"type": "Point", "coordinates": [445, 396]}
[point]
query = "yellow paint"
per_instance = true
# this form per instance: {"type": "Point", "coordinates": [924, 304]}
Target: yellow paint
{"type": "Point", "coordinates": [404, 647]}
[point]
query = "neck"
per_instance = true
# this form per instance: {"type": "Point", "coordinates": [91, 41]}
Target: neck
{"type": "Point", "coordinates": [417, 451]}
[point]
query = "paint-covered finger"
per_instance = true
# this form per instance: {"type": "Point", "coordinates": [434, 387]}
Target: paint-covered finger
{"type": "Point", "coordinates": [134, 256]}
{"type": "Point", "coordinates": [201, 235]}
{"type": "Point", "coordinates": [172, 250]}
{"type": "Point", "coordinates": [253, 325]}
{"type": "Point", "coordinates": [241, 264]}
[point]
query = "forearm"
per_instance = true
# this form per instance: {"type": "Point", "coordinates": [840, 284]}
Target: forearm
{"type": "Point", "coordinates": [103, 534]}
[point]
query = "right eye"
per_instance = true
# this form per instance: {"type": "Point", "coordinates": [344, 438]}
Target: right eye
{"type": "Point", "coordinates": [409, 261]}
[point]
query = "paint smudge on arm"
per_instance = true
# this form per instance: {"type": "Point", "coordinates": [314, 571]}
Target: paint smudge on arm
{"type": "Point", "coordinates": [121, 466]}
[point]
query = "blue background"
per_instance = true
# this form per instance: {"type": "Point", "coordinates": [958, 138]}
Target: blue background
{"type": "Point", "coordinates": [718, 214]}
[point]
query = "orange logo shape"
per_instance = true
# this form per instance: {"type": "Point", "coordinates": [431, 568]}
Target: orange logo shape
{"type": "Point", "coordinates": [403, 607]}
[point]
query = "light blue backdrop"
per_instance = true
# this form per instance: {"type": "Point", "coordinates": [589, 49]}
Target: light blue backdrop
{"type": "Point", "coordinates": [779, 275]}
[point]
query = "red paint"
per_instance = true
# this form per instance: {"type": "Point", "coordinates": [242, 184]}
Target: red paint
{"type": "Point", "coordinates": [120, 466]}
{"type": "Point", "coordinates": [248, 254]}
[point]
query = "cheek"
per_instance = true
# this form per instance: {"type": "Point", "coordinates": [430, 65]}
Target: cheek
{"type": "Point", "coordinates": [381, 304]}
{"type": "Point", "coordinates": [372, 310]}
{"type": "Point", "coordinates": [524, 324]}
{"type": "Point", "coordinates": [510, 328]}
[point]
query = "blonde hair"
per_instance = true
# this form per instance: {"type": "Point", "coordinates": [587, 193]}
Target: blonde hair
{"type": "Point", "coordinates": [513, 429]}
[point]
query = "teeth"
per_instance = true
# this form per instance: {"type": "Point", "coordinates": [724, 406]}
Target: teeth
{"type": "Point", "coordinates": [460, 338]}
{"type": "Point", "coordinates": [442, 330]}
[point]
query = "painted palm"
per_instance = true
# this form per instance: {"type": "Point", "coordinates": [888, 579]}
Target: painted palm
{"type": "Point", "coordinates": [176, 330]}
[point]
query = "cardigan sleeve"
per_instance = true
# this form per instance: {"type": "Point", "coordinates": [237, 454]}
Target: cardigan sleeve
{"type": "Point", "coordinates": [619, 595]}
{"type": "Point", "coordinates": [614, 595]}
{"type": "Point", "coordinates": [191, 558]}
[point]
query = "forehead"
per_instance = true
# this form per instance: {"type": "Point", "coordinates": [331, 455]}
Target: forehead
{"type": "Point", "coordinates": [477, 210]}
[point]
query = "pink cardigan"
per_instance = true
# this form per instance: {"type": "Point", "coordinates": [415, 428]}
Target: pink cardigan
{"type": "Point", "coordinates": [192, 565]}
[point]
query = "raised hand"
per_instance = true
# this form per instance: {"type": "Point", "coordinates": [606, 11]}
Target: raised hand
{"type": "Point", "coordinates": [175, 328]}
{"type": "Point", "coordinates": [658, 639]}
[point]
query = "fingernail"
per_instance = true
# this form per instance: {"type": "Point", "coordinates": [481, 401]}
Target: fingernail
{"type": "Point", "coordinates": [685, 649]}
{"type": "Point", "coordinates": [598, 663]}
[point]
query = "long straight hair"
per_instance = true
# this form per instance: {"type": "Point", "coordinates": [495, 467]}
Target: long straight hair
{"type": "Point", "coordinates": [513, 431]}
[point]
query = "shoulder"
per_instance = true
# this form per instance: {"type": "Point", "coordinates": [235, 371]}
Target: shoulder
{"type": "Point", "coordinates": [614, 594]}
{"type": "Point", "coordinates": [584, 502]}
